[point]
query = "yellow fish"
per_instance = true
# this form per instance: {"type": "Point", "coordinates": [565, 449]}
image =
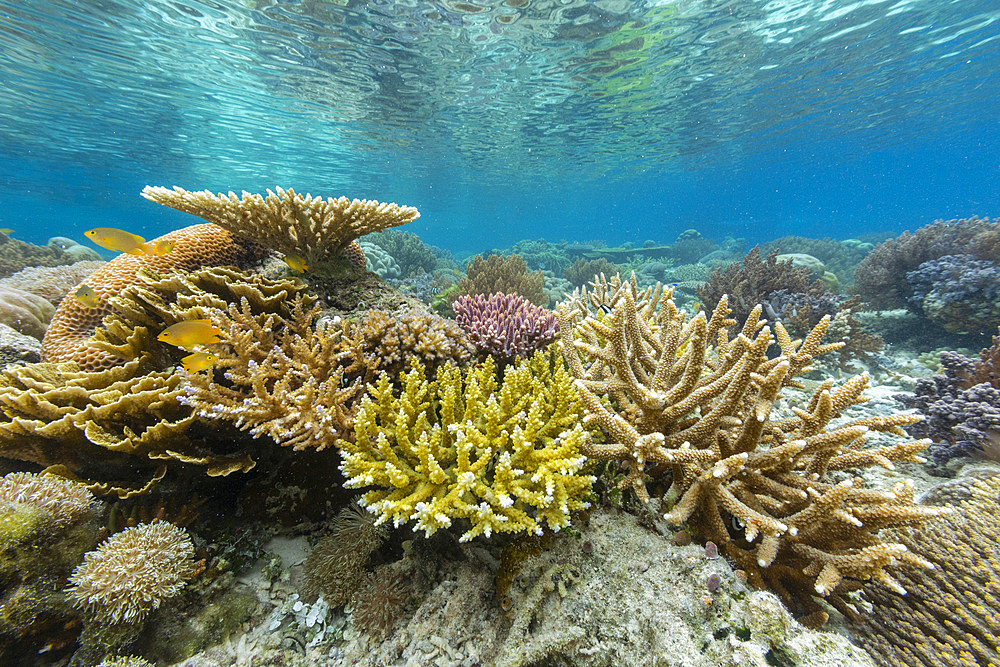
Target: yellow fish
{"type": "Point", "coordinates": [161, 247]}
{"type": "Point", "coordinates": [198, 361]}
{"type": "Point", "coordinates": [116, 239]}
{"type": "Point", "coordinates": [6, 230]}
{"type": "Point", "coordinates": [190, 332]}
{"type": "Point", "coordinates": [87, 297]}
{"type": "Point", "coordinates": [296, 263]}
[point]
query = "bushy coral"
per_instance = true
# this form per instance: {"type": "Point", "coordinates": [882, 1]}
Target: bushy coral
{"type": "Point", "coordinates": [61, 499]}
{"type": "Point", "coordinates": [133, 572]}
{"type": "Point", "coordinates": [337, 563]}
{"type": "Point", "coordinates": [583, 270]}
{"type": "Point", "coordinates": [16, 255]}
{"type": "Point", "coordinates": [951, 613]}
{"type": "Point", "coordinates": [505, 326]}
{"type": "Point", "coordinates": [959, 292]}
{"type": "Point", "coordinates": [679, 396]}
{"type": "Point", "coordinates": [503, 274]}
{"type": "Point", "coordinates": [880, 278]}
{"type": "Point", "coordinates": [507, 458]}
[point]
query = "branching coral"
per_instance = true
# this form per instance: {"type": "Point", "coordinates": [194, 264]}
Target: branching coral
{"type": "Point", "coordinates": [583, 270]}
{"type": "Point", "coordinates": [503, 274]}
{"type": "Point", "coordinates": [959, 292]}
{"type": "Point", "coordinates": [951, 614]}
{"type": "Point", "coordinates": [677, 394]}
{"type": "Point", "coordinates": [506, 458]}
{"type": "Point", "coordinates": [133, 572]}
{"type": "Point", "coordinates": [285, 221]}
{"type": "Point", "coordinates": [505, 326]}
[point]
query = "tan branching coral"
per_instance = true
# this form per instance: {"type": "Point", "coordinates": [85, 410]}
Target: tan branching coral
{"type": "Point", "coordinates": [63, 500]}
{"type": "Point", "coordinates": [288, 222]}
{"type": "Point", "coordinates": [951, 614]}
{"type": "Point", "coordinates": [133, 572]}
{"type": "Point", "coordinates": [509, 275]}
{"type": "Point", "coordinates": [675, 394]}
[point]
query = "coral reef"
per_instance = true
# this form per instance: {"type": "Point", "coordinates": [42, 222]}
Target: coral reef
{"type": "Point", "coordinates": [337, 562]}
{"type": "Point", "coordinates": [313, 227]}
{"type": "Point", "coordinates": [950, 614]}
{"type": "Point", "coordinates": [505, 326]}
{"type": "Point", "coordinates": [16, 255]}
{"type": "Point", "coordinates": [502, 274]}
{"type": "Point", "coordinates": [684, 398]}
{"type": "Point", "coordinates": [839, 257]}
{"type": "Point", "coordinates": [52, 282]}
{"type": "Point", "coordinates": [539, 254]}
{"type": "Point", "coordinates": [133, 572]}
{"type": "Point", "coordinates": [583, 270]}
{"type": "Point", "coordinates": [67, 337]}
{"type": "Point", "coordinates": [25, 312]}
{"type": "Point", "coordinates": [408, 251]}
{"type": "Point", "coordinates": [752, 281]}
{"type": "Point", "coordinates": [506, 458]}
{"type": "Point", "coordinates": [959, 292]}
{"type": "Point", "coordinates": [880, 278]}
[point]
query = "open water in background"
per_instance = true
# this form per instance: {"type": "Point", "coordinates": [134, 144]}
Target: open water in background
{"type": "Point", "coordinates": [506, 120]}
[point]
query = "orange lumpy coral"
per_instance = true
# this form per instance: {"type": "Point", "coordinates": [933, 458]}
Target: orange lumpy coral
{"type": "Point", "coordinates": [196, 246]}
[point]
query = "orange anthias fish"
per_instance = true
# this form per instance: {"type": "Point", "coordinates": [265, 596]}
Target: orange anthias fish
{"type": "Point", "coordinates": [296, 263]}
{"type": "Point", "coordinates": [87, 297]}
{"type": "Point", "coordinates": [190, 332]}
{"type": "Point", "coordinates": [198, 361]}
{"type": "Point", "coordinates": [116, 239]}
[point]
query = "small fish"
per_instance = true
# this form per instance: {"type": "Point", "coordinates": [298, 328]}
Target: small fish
{"type": "Point", "coordinates": [198, 361]}
{"type": "Point", "coordinates": [296, 263]}
{"type": "Point", "coordinates": [6, 230]}
{"type": "Point", "coordinates": [116, 239]}
{"type": "Point", "coordinates": [605, 309]}
{"type": "Point", "coordinates": [190, 332]}
{"type": "Point", "coordinates": [87, 297]}
{"type": "Point", "coordinates": [161, 247]}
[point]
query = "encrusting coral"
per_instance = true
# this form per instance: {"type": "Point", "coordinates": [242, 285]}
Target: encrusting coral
{"type": "Point", "coordinates": [502, 274]}
{"type": "Point", "coordinates": [198, 246]}
{"type": "Point", "coordinates": [951, 614]}
{"type": "Point", "coordinates": [684, 398]}
{"type": "Point", "coordinates": [288, 222]}
{"type": "Point", "coordinates": [505, 458]}
{"type": "Point", "coordinates": [52, 283]}
{"type": "Point", "coordinates": [133, 572]}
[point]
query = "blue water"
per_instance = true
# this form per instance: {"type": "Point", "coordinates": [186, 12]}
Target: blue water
{"type": "Point", "coordinates": [613, 120]}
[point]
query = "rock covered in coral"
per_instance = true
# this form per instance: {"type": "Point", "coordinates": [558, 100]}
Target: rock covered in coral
{"type": "Point", "coordinates": [379, 261]}
{"type": "Point", "coordinates": [950, 614]}
{"type": "Point", "coordinates": [959, 292]}
{"type": "Point", "coordinates": [77, 252]}
{"type": "Point", "coordinates": [133, 572]}
{"type": "Point", "coordinates": [505, 458]}
{"type": "Point", "coordinates": [52, 282]}
{"type": "Point", "coordinates": [15, 347]}
{"type": "Point", "coordinates": [25, 312]}
{"type": "Point", "coordinates": [505, 326]}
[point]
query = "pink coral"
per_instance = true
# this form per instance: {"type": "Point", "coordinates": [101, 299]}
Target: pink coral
{"type": "Point", "coordinates": [505, 326]}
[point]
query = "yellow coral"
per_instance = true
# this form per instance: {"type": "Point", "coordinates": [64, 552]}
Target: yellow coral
{"type": "Point", "coordinates": [507, 459]}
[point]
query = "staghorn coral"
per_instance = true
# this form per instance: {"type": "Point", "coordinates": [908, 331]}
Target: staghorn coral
{"type": "Point", "coordinates": [133, 572]}
{"type": "Point", "coordinates": [378, 600]}
{"type": "Point", "coordinates": [338, 561]}
{"type": "Point", "coordinates": [505, 326]}
{"type": "Point", "coordinates": [502, 274]}
{"type": "Point", "coordinates": [880, 278]}
{"type": "Point", "coordinates": [285, 221]}
{"type": "Point", "coordinates": [408, 251]}
{"type": "Point", "coordinates": [67, 337]}
{"type": "Point", "coordinates": [381, 342]}
{"type": "Point", "coordinates": [506, 458]}
{"type": "Point", "coordinates": [684, 398]}
{"type": "Point", "coordinates": [63, 500]}
{"type": "Point", "coordinates": [950, 614]}
{"type": "Point", "coordinates": [751, 282]}
{"type": "Point", "coordinates": [52, 283]}
{"type": "Point", "coordinates": [583, 270]}
{"type": "Point", "coordinates": [25, 312]}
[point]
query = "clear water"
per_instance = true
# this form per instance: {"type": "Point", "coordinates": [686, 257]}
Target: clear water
{"type": "Point", "coordinates": [507, 120]}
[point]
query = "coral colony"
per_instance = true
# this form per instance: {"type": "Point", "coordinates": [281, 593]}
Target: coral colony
{"type": "Point", "coordinates": [510, 460]}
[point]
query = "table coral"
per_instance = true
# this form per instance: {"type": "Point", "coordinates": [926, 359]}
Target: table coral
{"type": "Point", "coordinates": [288, 222]}
{"type": "Point", "coordinates": [66, 338]}
{"type": "Point", "coordinates": [687, 400]}
{"type": "Point", "coordinates": [505, 458]}
{"type": "Point", "coordinates": [505, 326]}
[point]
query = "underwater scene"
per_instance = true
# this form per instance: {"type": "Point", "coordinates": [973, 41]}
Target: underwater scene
{"type": "Point", "coordinates": [532, 333]}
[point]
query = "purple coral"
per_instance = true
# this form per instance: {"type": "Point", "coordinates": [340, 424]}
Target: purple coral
{"type": "Point", "coordinates": [505, 326]}
{"type": "Point", "coordinates": [959, 292]}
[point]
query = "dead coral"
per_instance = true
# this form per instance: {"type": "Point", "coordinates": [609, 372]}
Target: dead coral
{"type": "Point", "coordinates": [750, 282]}
{"type": "Point", "coordinates": [687, 400]}
{"type": "Point", "coordinates": [950, 614]}
{"type": "Point", "coordinates": [502, 274]}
